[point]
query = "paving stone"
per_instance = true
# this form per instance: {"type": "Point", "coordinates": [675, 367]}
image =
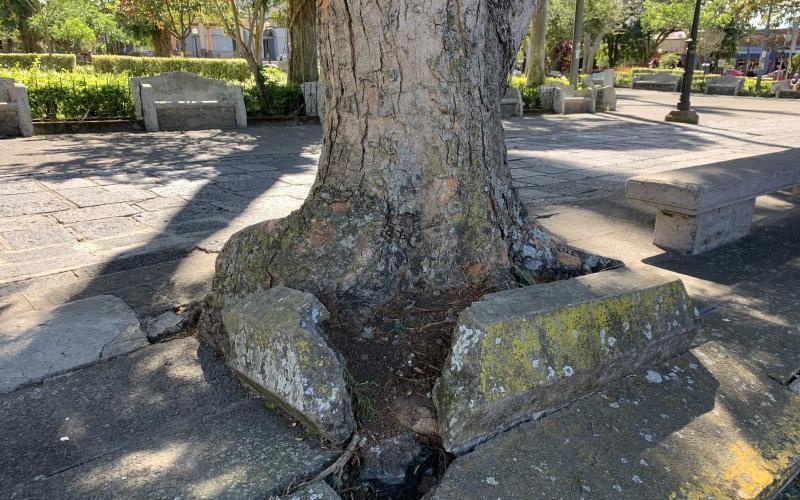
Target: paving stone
{"type": "Point", "coordinates": [160, 203]}
{"type": "Point", "coordinates": [19, 187]}
{"type": "Point", "coordinates": [41, 344]}
{"type": "Point", "coordinates": [103, 228]}
{"type": "Point", "coordinates": [92, 196]}
{"type": "Point", "coordinates": [40, 236]}
{"type": "Point", "coordinates": [24, 222]}
{"type": "Point", "coordinates": [51, 263]}
{"type": "Point", "coordinates": [93, 213]}
{"type": "Point", "coordinates": [167, 421]}
{"type": "Point", "coordinates": [57, 183]}
{"type": "Point", "coordinates": [30, 203]}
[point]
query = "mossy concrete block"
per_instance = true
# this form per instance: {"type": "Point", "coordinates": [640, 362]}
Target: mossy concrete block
{"type": "Point", "coordinates": [279, 348]}
{"type": "Point", "coordinates": [520, 353]}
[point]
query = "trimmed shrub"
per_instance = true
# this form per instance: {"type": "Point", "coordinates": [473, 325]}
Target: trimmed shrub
{"type": "Point", "coordinates": [235, 70]}
{"type": "Point", "coordinates": [284, 99]}
{"type": "Point", "coordinates": [58, 95]}
{"type": "Point", "coordinates": [57, 62]}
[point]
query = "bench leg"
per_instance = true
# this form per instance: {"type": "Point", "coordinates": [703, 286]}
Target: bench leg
{"type": "Point", "coordinates": [705, 231]}
{"type": "Point", "coordinates": [796, 191]}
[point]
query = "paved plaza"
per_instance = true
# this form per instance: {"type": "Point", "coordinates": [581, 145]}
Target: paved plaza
{"type": "Point", "coordinates": [132, 223]}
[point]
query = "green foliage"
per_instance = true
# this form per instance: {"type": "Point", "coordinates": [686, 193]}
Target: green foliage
{"type": "Point", "coordinates": [86, 94]}
{"type": "Point", "coordinates": [235, 70]}
{"type": "Point", "coordinates": [669, 60]}
{"type": "Point", "coordinates": [63, 62]}
{"type": "Point", "coordinates": [76, 25]}
{"type": "Point", "coordinates": [363, 409]}
{"type": "Point", "coordinates": [530, 95]}
{"type": "Point", "coordinates": [58, 95]}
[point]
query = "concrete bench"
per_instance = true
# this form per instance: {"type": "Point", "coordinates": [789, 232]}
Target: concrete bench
{"type": "Point", "coordinates": [657, 81]}
{"type": "Point", "coordinates": [783, 90]}
{"type": "Point", "coordinates": [605, 98]}
{"type": "Point", "coordinates": [725, 85]}
{"type": "Point", "coordinates": [314, 98]}
{"type": "Point", "coordinates": [603, 78]}
{"type": "Point", "coordinates": [184, 101]}
{"type": "Point", "coordinates": [15, 110]}
{"type": "Point", "coordinates": [511, 104]}
{"type": "Point", "coordinates": [704, 207]}
{"type": "Point", "coordinates": [563, 99]}
{"type": "Point", "coordinates": [521, 353]}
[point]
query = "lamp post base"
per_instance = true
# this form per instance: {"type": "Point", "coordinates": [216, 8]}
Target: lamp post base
{"type": "Point", "coordinates": [680, 116]}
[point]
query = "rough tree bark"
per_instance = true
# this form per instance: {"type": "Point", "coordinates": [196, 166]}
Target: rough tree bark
{"type": "Point", "coordinates": [302, 41]}
{"type": "Point", "coordinates": [161, 43]}
{"type": "Point", "coordinates": [536, 47]}
{"type": "Point", "coordinates": [413, 191]}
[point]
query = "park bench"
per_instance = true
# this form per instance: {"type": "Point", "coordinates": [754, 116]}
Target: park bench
{"type": "Point", "coordinates": [605, 98]}
{"type": "Point", "coordinates": [657, 81]}
{"type": "Point", "coordinates": [704, 207]}
{"type": "Point", "coordinates": [563, 99]}
{"type": "Point", "coordinates": [314, 98]}
{"type": "Point", "coordinates": [511, 103]}
{"type": "Point", "coordinates": [15, 110]}
{"type": "Point", "coordinates": [725, 85]}
{"type": "Point", "coordinates": [183, 101]}
{"type": "Point", "coordinates": [783, 90]}
{"type": "Point", "coordinates": [603, 78]}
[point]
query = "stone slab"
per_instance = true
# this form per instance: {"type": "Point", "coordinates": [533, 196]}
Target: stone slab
{"type": "Point", "coordinates": [94, 213]}
{"type": "Point", "coordinates": [702, 425]}
{"type": "Point", "coordinates": [39, 236]}
{"type": "Point", "coordinates": [278, 346]}
{"type": "Point", "coordinates": [30, 203]}
{"type": "Point", "coordinates": [167, 421]}
{"type": "Point", "coordinates": [521, 353]}
{"type": "Point", "coordinates": [104, 228]}
{"type": "Point", "coordinates": [314, 491]}
{"type": "Point", "coordinates": [41, 344]}
{"type": "Point", "coordinates": [92, 196]}
{"type": "Point", "coordinates": [702, 188]}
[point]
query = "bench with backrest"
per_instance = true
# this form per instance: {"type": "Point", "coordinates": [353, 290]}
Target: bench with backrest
{"type": "Point", "coordinates": [184, 101]}
{"type": "Point", "coordinates": [783, 90]}
{"type": "Point", "coordinates": [563, 99]}
{"type": "Point", "coordinates": [511, 104]}
{"type": "Point", "coordinates": [704, 207]}
{"type": "Point", "coordinates": [725, 85]}
{"type": "Point", "coordinates": [657, 81]}
{"type": "Point", "coordinates": [314, 98]}
{"type": "Point", "coordinates": [15, 110]}
{"type": "Point", "coordinates": [603, 78]}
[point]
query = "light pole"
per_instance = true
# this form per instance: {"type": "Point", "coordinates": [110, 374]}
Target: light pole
{"type": "Point", "coordinates": [684, 113]}
{"type": "Point", "coordinates": [576, 44]}
{"type": "Point", "coordinates": [196, 49]}
{"type": "Point", "coordinates": [763, 59]}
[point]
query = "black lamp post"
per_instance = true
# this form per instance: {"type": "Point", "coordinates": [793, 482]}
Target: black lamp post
{"type": "Point", "coordinates": [684, 113]}
{"type": "Point", "coordinates": [195, 32]}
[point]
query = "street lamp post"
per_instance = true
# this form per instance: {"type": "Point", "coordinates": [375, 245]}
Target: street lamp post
{"type": "Point", "coordinates": [684, 113]}
{"type": "Point", "coordinates": [196, 49]}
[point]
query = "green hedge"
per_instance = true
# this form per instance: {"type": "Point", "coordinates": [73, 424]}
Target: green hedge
{"type": "Point", "coordinates": [221, 69]}
{"type": "Point", "coordinates": [62, 62]}
{"type": "Point", "coordinates": [80, 95]}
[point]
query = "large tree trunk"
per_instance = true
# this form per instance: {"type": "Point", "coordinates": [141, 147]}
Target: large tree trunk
{"type": "Point", "coordinates": [303, 41]}
{"type": "Point", "coordinates": [536, 47]}
{"type": "Point", "coordinates": [162, 41]}
{"type": "Point", "coordinates": [413, 191]}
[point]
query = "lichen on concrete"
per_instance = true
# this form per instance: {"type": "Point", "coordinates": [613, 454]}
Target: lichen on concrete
{"type": "Point", "coordinates": [522, 352]}
{"type": "Point", "coordinates": [277, 345]}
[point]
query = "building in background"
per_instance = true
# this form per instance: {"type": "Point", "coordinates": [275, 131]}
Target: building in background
{"type": "Point", "coordinates": [211, 41]}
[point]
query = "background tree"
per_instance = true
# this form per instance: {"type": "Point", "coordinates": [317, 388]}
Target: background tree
{"type": "Point", "coordinates": [17, 15]}
{"type": "Point", "coordinates": [535, 70]}
{"type": "Point", "coordinates": [76, 26]}
{"type": "Point", "coordinates": [302, 41]}
{"type": "Point", "coordinates": [245, 21]}
{"type": "Point", "coordinates": [175, 17]}
{"type": "Point", "coordinates": [600, 17]}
